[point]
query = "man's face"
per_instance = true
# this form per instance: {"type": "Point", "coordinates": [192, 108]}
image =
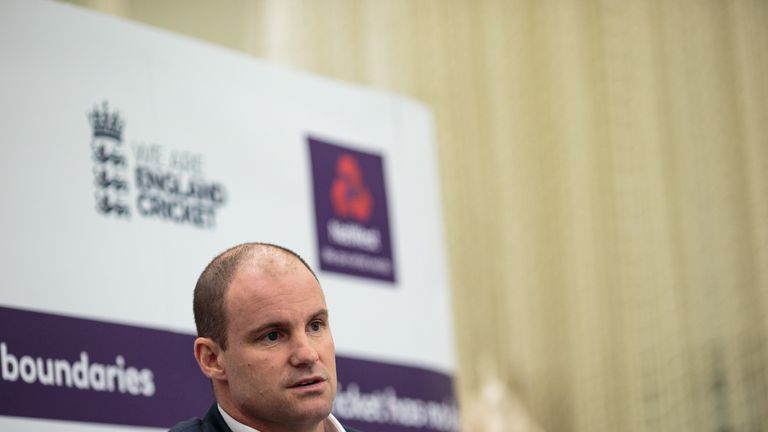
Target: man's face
{"type": "Point", "coordinates": [279, 363]}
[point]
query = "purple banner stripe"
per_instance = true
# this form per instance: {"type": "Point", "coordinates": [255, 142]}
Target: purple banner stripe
{"type": "Point", "coordinates": [66, 368]}
{"type": "Point", "coordinates": [58, 367]}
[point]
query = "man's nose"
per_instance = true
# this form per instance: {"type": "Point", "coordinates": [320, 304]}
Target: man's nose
{"type": "Point", "coordinates": [304, 352]}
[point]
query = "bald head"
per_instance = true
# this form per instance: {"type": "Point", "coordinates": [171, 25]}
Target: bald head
{"type": "Point", "coordinates": [213, 283]}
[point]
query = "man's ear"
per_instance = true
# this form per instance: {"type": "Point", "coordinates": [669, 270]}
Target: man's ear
{"type": "Point", "coordinates": [208, 356]}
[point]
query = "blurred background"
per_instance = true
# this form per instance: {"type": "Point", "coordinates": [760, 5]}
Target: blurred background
{"type": "Point", "coordinates": [604, 171]}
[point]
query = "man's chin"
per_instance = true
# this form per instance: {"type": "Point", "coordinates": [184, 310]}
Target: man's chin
{"type": "Point", "coordinates": [313, 410]}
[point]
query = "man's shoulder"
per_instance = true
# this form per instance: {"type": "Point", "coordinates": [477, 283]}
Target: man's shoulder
{"type": "Point", "coordinates": [212, 422]}
{"type": "Point", "coordinates": [198, 425]}
{"type": "Point", "coordinates": [191, 425]}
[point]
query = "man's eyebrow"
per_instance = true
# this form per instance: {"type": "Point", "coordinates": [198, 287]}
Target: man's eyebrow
{"type": "Point", "coordinates": [322, 313]}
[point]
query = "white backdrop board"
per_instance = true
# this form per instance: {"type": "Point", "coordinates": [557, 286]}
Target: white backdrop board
{"type": "Point", "coordinates": [132, 156]}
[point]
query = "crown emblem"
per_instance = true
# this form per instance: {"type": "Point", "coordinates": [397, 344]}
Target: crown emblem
{"type": "Point", "coordinates": [106, 124]}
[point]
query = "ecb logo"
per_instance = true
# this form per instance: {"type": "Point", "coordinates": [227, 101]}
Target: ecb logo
{"type": "Point", "coordinates": [351, 212]}
{"type": "Point", "coordinates": [168, 185]}
{"type": "Point", "coordinates": [110, 165]}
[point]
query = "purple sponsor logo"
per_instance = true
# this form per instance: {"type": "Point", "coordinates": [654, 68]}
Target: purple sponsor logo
{"type": "Point", "coordinates": [351, 211]}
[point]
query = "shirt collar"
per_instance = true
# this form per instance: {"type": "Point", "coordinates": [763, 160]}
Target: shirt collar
{"type": "Point", "coordinates": [236, 426]}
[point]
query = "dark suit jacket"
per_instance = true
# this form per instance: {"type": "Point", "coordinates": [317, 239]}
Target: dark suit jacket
{"type": "Point", "coordinates": [212, 422]}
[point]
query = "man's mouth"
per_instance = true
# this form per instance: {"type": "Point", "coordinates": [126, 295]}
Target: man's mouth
{"type": "Point", "coordinates": [308, 382]}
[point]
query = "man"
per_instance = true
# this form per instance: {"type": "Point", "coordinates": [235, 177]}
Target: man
{"type": "Point", "coordinates": [265, 342]}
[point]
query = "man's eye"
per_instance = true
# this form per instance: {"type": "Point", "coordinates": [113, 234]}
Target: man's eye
{"type": "Point", "coordinates": [315, 325]}
{"type": "Point", "coordinates": [272, 336]}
